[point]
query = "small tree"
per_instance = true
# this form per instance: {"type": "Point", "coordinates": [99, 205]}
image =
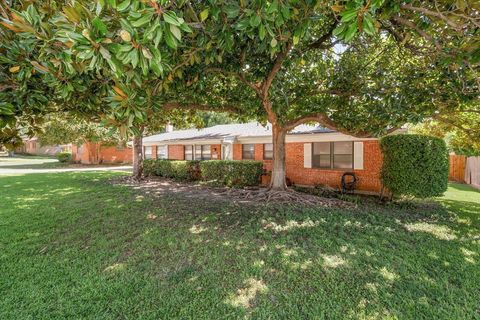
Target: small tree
{"type": "Point", "coordinates": [415, 165]}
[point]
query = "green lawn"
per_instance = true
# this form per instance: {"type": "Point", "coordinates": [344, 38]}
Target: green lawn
{"type": "Point", "coordinates": [74, 246]}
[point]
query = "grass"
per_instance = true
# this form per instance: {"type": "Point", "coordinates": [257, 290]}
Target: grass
{"type": "Point", "coordinates": [74, 246]}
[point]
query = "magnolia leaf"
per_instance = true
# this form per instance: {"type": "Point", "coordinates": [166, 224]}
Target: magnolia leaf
{"type": "Point", "coordinates": [125, 35]}
{"type": "Point", "coordinates": [146, 53]}
{"type": "Point", "coordinates": [204, 15]}
{"type": "Point", "coordinates": [351, 31]}
{"type": "Point", "coordinates": [171, 18]}
{"type": "Point", "coordinates": [255, 20]}
{"type": "Point", "coordinates": [273, 43]}
{"type": "Point", "coordinates": [123, 6]}
{"type": "Point", "coordinates": [105, 53]}
{"type": "Point", "coordinates": [14, 69]}
{"type": "Point", "coordinates": [119, 92]}
{"type": "Point", "coordinates": [261, 32]}
{"type": "Point", "coordinates": [176, 32]}
{"type": "Point", "coordinates": [99, 26]}
{"type": "Point", "coordinates": [142, 21]}
{"type": "Point", "coordinates": [170, 40]}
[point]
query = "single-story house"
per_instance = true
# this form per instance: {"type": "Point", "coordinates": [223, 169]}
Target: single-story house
{"type": "Point", "coordinates": [33, 146]}
{"type": "Point", "coordinates": [95, 153]}
{"type": "Point", "coordinates": [314, 155]}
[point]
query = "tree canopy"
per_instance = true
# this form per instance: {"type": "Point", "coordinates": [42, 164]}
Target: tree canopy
{"type": "Point", "coordinates": [361, 67]}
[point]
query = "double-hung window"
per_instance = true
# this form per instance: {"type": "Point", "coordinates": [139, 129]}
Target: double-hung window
{"type": "Point", "coordinates": [202, 152]}
{"type": "Point", "coordinates": [332, 155]}
{"type": "Point", "coordinates": [147, 152]}
{"type": "Point", "coordinates": [268, 151]}
{"type": "Point", "coordinates": [248, 151]}
{"type": "Point", "coordinates": [189, 152]}
{"type": "Point", "coordinates": [162, 152]}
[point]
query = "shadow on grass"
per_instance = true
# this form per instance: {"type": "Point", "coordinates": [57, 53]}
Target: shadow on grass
{"type": "Point", "coordinates": [178, 257]}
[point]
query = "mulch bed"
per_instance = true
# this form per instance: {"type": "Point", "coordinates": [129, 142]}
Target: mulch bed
{"type": "Point", "coordinates": [257, 196]}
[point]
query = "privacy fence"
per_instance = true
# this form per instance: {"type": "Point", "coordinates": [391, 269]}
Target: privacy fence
{"type": "Point", "coordinates": [465, 169]}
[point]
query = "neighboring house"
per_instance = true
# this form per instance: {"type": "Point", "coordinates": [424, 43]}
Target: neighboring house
{"type": "Point", "coordinates": [314, 155]}
{"type": "Point", "coordinates": [95, 153]}
{"type": "Point", "coordinates": [33, 146]}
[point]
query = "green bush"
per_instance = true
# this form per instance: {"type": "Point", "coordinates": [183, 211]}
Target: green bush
{"type": "Point", "coordinates": [64, 157]}
{"type": "Point", "coordinates": [415, 165]}
{"type": "Point", "coordinates": [232, 173]}
{"type": "Point", "coordinates": [175, 169]}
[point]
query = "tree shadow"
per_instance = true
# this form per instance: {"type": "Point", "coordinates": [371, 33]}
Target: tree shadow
{"type": "Point", "coordinates": [200, 257]}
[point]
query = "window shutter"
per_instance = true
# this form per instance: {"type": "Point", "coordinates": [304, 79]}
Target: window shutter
{"type": "Point", "coordinates": [166, 151]}
{"type": "Point", "coordinates": [307, 155]}
{"type": "Point", "coordinates": [358, 155]}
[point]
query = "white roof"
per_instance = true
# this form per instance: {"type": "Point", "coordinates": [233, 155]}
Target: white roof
{"type": "Point", "coordinates": [229, 131]}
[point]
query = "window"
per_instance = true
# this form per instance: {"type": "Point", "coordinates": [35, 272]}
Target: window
{"type": "Point", "coordinates": [162, 152]}
{"type": "Point", "coordinates": [332, 155]}
{"type": "Point", "coordinates": [267, 151]}
{"type": "Point", "coordinates": [147, 152]}
{"type": "Point", "coordinates": [343, 155]}
{"type": "Point", "coordinates": [202, 152]}
{"type": "Point", "coordinates": [189, 152]}
{"type": "Point", "coordinates": [321, 155]}
{"type": "Point", "coordinates": [248, 151]}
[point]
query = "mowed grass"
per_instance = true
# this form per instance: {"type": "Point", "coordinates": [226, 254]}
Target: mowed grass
{"type": "Point", "coordinates": [74, 246]}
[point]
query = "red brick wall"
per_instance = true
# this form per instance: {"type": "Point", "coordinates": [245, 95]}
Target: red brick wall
{"type": "Point", "coordinates": [91, 153]}
{"type": "Point", "coordinates": [237, 151]}
{"type": "Point", "coordinates": [115, 155]}
{"type": "Point", "coordinates": [368, 178]}
{"type": "Point", "coordinates": [176, 152]}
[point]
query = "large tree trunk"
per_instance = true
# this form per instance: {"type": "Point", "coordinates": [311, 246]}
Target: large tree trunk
{"type": "Point", "coordinates": [137, 157]}
{"type": "Point", "coordinates": [279, 169]}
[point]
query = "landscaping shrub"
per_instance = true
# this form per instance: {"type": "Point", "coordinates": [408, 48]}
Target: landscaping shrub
{"type": "Point", "coordinates": [232, 173]}
{"type": "Point", "coordinates": [64, 157]}
{"type": "Point", "coordinates": [175, 169]}
{"type": "Point", "coordinates": [415, 165]}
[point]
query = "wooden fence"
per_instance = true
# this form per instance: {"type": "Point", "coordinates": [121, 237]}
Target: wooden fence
{"type": "Point", "coordinates": [457, 168]}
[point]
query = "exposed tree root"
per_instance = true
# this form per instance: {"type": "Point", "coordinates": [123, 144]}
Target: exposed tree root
{"type": "Point", "coordinates": [288, 197]}
{"type": "Point", "coordinates": [252, 196]}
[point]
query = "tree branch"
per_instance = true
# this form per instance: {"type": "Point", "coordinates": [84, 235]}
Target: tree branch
{"type": "Point", "coordinates": [320, 42]}
{"type": "Point", "coordinates": [436, 14]}
{"type": "Point", "coordinates": [239, 76]}
{"type": "Point", "coordinates": [275, 68]}
{"type": "Point", "coordinates": [410, 24]}
{"type": "Point", "coordinates": [326, 122]}
{"type": "Point", "coordinates": [199, 107]}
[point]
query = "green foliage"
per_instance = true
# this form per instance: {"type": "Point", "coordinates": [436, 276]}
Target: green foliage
{"type": "Point", "coordinates": [63, 129]}
{"type": "Point", "coordinates": [460, 128]}
{"type": "Point", "coordinates": [64, 157]}
{"type": "Point", "coordinates": [175, 169]}
{"type": "Point", "coordinates": [415, 165]}
{"type": "Point", "coordinates": [232, 173]}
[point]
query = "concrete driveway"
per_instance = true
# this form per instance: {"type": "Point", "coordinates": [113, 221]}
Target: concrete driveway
{"type": "Point", "coordinates": [26, 165]}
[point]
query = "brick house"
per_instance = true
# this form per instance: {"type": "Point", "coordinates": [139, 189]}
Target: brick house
{"type": "Point", "coordinates": [314, 155]}
{"type": "Point", "coordinates": [95, 153]}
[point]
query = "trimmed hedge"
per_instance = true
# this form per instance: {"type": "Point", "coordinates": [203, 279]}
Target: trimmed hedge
{"type": "Point", "coordinates": [175, 169]}
{"type": "Point", "coordinates": [415, 165]}
{"type": "Point", "coordinates": [64, 156]}
{"type": "Point", "coordinates": [232, 173]}
{"type": "Point", "coordinates": [227, 172]}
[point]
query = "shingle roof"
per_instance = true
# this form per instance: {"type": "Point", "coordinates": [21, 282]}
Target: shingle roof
{"type": "Point", "coordinates": [251, 129]}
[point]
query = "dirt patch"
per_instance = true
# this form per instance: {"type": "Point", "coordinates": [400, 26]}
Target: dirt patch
{"type": "Point", "coordinates": [256, 196]}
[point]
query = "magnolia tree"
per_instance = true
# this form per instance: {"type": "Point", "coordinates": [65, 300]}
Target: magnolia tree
{"type": "Point", "coordinates": [289, 62]}
{"type": "Point", "coordinates": [109, 61]}
{"type": "Point", "coordinates": [360, 67]}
